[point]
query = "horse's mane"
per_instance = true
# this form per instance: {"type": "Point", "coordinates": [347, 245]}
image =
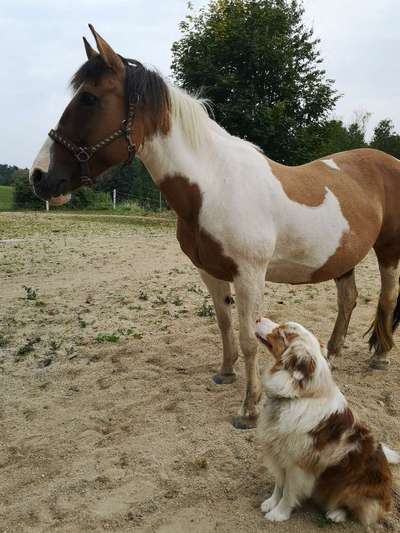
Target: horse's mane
{"type": "Point", "coordinates": [158, 97]}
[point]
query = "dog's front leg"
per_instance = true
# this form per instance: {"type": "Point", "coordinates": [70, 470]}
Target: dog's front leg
{"type": "Point", "coordinates": [279, 475]}
{"type": "Point", "coordinates": [270, 503]}
{"type": "Point", "coordinates": [298, 486]}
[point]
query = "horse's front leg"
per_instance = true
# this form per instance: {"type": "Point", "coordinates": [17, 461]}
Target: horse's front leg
{"type": "Point", "coordinates": [220, 292]}
{"type": "Point", "coordinates": [249, 289]}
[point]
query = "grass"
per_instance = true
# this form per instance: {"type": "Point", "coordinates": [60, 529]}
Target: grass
{"type": "Point", "coordinates": [6, 198]}
{"type": "Point", "coordinates": [24, 224]}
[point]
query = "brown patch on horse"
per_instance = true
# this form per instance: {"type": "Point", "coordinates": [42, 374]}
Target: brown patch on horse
{"type": "Point", "coordinates": [134, 83]}
{"type": "Point", "coordinates": [202, 249]}
{"type": "Point", "coordinates": [358, 186]}
{"type": "Point", "coordinates": [292, 181]}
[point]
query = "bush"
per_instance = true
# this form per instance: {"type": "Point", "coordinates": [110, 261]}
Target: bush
{"type": "Point", "coordinates": [24, 197]}
{"type": "Point", "coordinates": [86, 198]}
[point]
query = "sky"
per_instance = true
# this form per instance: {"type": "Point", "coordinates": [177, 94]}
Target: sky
{"type": "Point", "coordinates": [41, 46]}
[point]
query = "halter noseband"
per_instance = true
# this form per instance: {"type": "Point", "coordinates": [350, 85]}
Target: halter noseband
{"type": "Point", "coordinates": [83, 154]}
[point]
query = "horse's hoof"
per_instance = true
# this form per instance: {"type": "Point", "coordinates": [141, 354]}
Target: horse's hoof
{"type": "Point", "coordinates": [244, 422]}
{"type": "Point", "coordinates": [378, 363]}
{"type": "Point", "coordinates": [224, 379]}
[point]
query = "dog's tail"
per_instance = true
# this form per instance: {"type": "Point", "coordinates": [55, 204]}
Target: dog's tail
{"type": "Point", "coordinates": [392, 456]}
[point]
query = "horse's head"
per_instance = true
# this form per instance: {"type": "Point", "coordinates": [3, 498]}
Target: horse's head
{"type": "Point", "coordinates": [117, 104]}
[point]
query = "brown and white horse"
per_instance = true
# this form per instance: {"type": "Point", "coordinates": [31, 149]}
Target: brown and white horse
{"type": "Point", "coordinates": [242, 218]}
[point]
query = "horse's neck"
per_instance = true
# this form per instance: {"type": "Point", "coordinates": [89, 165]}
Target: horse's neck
{"type": "Point", "coordinates": [169, 155]}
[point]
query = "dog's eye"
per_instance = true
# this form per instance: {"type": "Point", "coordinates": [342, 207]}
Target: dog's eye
{"type": "Point", "coordinates": [88, 99]}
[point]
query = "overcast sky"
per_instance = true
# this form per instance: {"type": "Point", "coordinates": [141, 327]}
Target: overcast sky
{"type": "Point", "coordinates": [41, 47]}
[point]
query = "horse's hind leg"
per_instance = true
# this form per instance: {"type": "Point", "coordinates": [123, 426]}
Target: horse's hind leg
{"type": "Point", "coordinates": [220, 292]}
{"type": "Point", "coordinates": [347, 300]}
{"type": "Point", "coordinates": [387, 314]}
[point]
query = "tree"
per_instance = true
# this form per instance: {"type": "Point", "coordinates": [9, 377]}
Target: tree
{"type": "Point", "coordinates": [260, 66]}
{"type": "Point", "coordinates": [6, 174]}
{"type": "Point", "coordinates": [385, 138]}
{"type": "Point", "coordinates": [132, 182]}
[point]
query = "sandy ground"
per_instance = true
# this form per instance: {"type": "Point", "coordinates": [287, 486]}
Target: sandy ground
{"type": "Point", "coordinates": [109, 419]}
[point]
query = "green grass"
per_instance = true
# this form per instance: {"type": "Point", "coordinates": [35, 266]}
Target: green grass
{"type": "Point", "coordinates": [6, 198]}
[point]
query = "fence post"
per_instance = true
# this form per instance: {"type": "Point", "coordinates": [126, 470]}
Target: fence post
{"type": "Point", "coordinates": [47, 205]}
{"type": "Point", "coordinates": [160, 200]}
{"type": "Point", "coordinates": [114, 198]}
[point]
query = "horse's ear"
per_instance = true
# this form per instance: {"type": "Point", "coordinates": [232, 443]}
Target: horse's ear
{"type": "Point", "coordinates": [90, 52]}
{"type": "Point", "coordinates": [107, 53]}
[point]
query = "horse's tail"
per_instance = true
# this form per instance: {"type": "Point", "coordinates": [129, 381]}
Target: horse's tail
{"type": "Point", "coordinates": [381, 340]}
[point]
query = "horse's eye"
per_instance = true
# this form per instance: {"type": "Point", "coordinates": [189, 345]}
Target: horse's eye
{"type": "Point", "coordinates": [88, 99]}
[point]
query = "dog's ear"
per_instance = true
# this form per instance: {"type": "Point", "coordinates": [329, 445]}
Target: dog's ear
{"type": "Point", "coordinates": [276, 342]}
{"type": "Point", "coordinates": [300, 364]}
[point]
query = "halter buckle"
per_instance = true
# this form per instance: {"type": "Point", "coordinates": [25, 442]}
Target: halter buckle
{"type": "Point", "coordinates": [82, 155]}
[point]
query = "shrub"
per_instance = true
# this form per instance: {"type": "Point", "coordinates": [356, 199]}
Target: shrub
{"type": "Point", "coordinates": [24, 196]}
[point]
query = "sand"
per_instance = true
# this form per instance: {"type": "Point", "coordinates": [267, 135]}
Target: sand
{"type": "Point", "coordinates": [109, 418]}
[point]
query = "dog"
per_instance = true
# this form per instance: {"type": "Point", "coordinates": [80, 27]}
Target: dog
{"type": "Point", "coordinates": [311, 441]}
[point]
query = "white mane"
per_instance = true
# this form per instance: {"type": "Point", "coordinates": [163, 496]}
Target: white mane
{"type": "Point", "coordinates": [192, 115]}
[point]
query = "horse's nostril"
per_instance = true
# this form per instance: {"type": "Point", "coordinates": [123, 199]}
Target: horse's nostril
{"type": "Point", "coordinates": [37, 176]}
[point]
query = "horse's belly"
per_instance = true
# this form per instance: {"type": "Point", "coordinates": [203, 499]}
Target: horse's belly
{"type": "Point", "coordinates": [282, 271]}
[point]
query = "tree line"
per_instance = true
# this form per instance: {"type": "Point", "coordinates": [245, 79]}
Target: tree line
{"type": "Point", "coordinates": [261, 69]}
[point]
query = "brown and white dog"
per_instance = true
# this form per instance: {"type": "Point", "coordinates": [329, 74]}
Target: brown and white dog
{"type": "Point", "coordinates": [312, 442]}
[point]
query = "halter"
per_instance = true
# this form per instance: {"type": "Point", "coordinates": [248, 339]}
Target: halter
{"type": "Point", "coordinates": [83, 154]}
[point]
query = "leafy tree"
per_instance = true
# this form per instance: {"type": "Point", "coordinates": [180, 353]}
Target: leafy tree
{"type": "Point", "coordinates": [6, 174]}
{"type": "Point", "coordinates": [385, 138]}
{"type": "Point", "coordinates": [260, 66]}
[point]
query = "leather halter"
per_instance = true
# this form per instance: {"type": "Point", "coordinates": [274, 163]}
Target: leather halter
{"type": "Point", "coordinates": [83, 154]}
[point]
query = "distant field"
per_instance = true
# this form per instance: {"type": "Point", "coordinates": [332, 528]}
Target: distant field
{"type": "Point", "coordinates": [6, 194]}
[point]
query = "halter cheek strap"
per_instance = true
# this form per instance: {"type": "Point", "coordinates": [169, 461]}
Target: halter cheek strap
{"type": "Point", "coordinates": [83, 154]}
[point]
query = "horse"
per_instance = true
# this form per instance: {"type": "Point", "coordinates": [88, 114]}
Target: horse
{"type": "Point", "coordinates": [242, 219]}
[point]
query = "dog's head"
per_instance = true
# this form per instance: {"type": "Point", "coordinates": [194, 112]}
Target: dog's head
{"type": "Point", "coordinates": [300, 367]}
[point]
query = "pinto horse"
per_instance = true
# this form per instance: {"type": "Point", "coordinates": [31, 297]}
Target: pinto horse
{"type": "Point", "coordinates": [242, 218]}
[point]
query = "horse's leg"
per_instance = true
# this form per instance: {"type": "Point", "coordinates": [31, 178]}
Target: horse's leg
{"type": "Point", "coordinates": [220, 292]}
{"type": "Point", "coordinates": [347, 300]}
{"type": "Point", "coordinates": [386, 318]}
{"type": "Point", "coordinates": [249, 288]}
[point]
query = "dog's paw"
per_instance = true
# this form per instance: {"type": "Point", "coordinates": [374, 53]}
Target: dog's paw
{"type": "Point", "coordinates": [268, 504]}
{"type": "Point", "coordinates": [278, 515]}
{"type": "Point", "coordinates": [339, 515]}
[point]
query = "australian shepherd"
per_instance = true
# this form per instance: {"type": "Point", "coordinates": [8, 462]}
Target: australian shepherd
{"type": "Point", "coordinates": [312, 442]}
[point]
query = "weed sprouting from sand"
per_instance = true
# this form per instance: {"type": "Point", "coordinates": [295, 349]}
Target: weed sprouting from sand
{"type": "Point", "coordinates": [160, 300]}
{"type": "Point", "coordinates": [205, 310]}
{"type": "Point", "coordinates": [107, 337]}
{"type": "Point", "coordinates": [143, 295]}
{"type": "Point", "coordinates": [30, 293]}
{"type": "Point", "coordinates": [28, 347]}
{"type": "Point", "coordinates": [3, 340]}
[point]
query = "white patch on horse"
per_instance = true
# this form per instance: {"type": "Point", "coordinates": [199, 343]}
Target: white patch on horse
{"type": "Point", "coordinates": [42, 160]}
{"type": "Point", "coordinates": [244, 206]}
{"type": "Point", "coordinates": [330, 163]}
